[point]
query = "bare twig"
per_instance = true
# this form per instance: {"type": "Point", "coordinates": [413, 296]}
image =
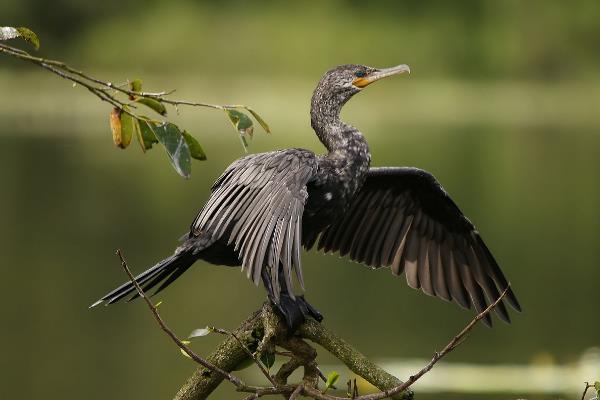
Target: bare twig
{"type": "Point", "coordinates": [587, 386]}
{"type": "Point", "coordinates": [231, 378]}
{"type": "Point", "coordinates": [102, 89]}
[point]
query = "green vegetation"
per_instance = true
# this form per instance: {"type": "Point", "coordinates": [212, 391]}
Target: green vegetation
{"type": "Point", "coordinates": [538, 39]}
{"type": "Point", "coordinates": [502, 106]}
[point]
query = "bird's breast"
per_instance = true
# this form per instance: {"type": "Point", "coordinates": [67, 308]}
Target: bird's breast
{"type": "Point", "coordinates": [327, 201]}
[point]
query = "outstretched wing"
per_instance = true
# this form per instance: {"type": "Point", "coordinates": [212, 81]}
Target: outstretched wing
{"type": "Point", "coordinates": [257, 204]}
{"type": "Point", "coordinates": [403, 218]}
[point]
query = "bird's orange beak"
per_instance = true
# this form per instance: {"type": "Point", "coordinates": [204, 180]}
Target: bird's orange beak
{"type": "Point", "coordinates": [380, 74]}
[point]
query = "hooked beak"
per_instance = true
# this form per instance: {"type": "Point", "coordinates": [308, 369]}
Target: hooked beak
{"type": "Point", "coordinates": [380, 74]}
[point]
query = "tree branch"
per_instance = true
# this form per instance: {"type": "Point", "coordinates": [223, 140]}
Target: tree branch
{"type": "Point", "coordinates": [234, 350]}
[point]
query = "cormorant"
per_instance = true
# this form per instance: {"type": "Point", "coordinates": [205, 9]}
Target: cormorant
{"type": "Point", "coordinates": [266, 206]}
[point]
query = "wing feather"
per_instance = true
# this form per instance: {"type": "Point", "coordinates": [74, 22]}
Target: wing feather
{"type": "Point", "coordinates": [404, 219]}
{"type": "Point", "coordinates": [256, 207]}
{"type": "Point", "coordinates": [424, 268]}
{"type": "Point", "coordinates": [438, 277]}
{"type": "Point", "coordinates": [397, 264]}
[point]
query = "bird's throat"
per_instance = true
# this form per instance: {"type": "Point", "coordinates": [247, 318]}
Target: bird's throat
{"type": "Point", "coordinates": [348, 151]}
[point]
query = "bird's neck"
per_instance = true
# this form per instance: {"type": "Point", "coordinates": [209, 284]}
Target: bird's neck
{"type": "Point", "coordinates": [348, 148]}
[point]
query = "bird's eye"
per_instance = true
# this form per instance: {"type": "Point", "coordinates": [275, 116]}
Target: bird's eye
{"type": "Point", "coordinates": [360, 74]}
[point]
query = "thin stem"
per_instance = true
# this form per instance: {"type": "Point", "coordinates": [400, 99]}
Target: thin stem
{"type": "Point", "coordinates": [231, 378]}
{"type": "Point", "coordinates": [67, 72]}
{"type": "Point", "coordinates": [587, 386]}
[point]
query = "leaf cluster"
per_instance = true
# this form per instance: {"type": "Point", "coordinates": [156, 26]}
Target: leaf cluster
{"type": "Point", "coordinates": [126, 123]}
{"type": "Point", "coordinates": [179, 144]}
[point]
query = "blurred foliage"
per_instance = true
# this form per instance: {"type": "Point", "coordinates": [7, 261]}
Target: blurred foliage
{"type": "Point", "coordinates": [502, 107]}
{"type": "Point", "coordinates": [537, 39]}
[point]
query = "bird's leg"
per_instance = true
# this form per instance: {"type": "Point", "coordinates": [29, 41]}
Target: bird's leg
{"type": "Point", "coordinates": [306, 309]}
{"type": "Point", "coordinates": [266, 278]}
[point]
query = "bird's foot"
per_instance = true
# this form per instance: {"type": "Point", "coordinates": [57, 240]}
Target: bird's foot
{"type": "Point", "coordinates": [308, 309]}
{"type": "Point", "coordinates": [295, 311]}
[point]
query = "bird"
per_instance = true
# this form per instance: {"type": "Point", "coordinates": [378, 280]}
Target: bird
{"type": "Point", "coordinates": [266, 207]}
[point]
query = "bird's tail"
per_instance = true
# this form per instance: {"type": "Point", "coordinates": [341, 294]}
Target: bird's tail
{"type": "Point", "coordinates": [165, 272]}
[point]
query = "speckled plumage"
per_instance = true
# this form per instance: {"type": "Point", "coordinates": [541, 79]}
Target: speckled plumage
{"type": "Point", "coordinates": [264, 207]}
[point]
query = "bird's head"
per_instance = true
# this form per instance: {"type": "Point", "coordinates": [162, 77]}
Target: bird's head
{"type": "Point", "coordinates": [342, 82]}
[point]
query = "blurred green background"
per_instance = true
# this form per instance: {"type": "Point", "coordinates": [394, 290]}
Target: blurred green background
{"type": "Point", "coordinates": [502, 106]}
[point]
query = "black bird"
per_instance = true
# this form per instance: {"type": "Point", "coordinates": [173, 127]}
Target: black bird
{"type": "Point", "coordinates": [266, 206]}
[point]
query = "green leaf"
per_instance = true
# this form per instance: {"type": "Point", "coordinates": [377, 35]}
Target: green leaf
{"type": "Point", "coordinates": [8, 32]}
{"type": "Point", "coordinates": [268, 358]}
{"type": "Point", "coordinates": [147, 133]}
{"type": "Point", "coordinates": [136, 85]}
{"type": "Point", "coordinates": [172, 139]}
{"type": "Point", "coordinates": [332, 378]}
{"type": "Point", "coordinates": [199, 332]}
{"type": "Point", "coordinates": [127, 129]}
{"type": "Point", "coordinates": [195, 149]}
{"type": "Point", "coordinates": [261, 121]}
{"type": "Point", "coordinates": [153, 104]}
{"type": "Point", "coordinates": [30, 36]}
{"type": "Point", "coordinates": [597, 385]}
{"type": "Point", "coordinates": [242, 123]}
